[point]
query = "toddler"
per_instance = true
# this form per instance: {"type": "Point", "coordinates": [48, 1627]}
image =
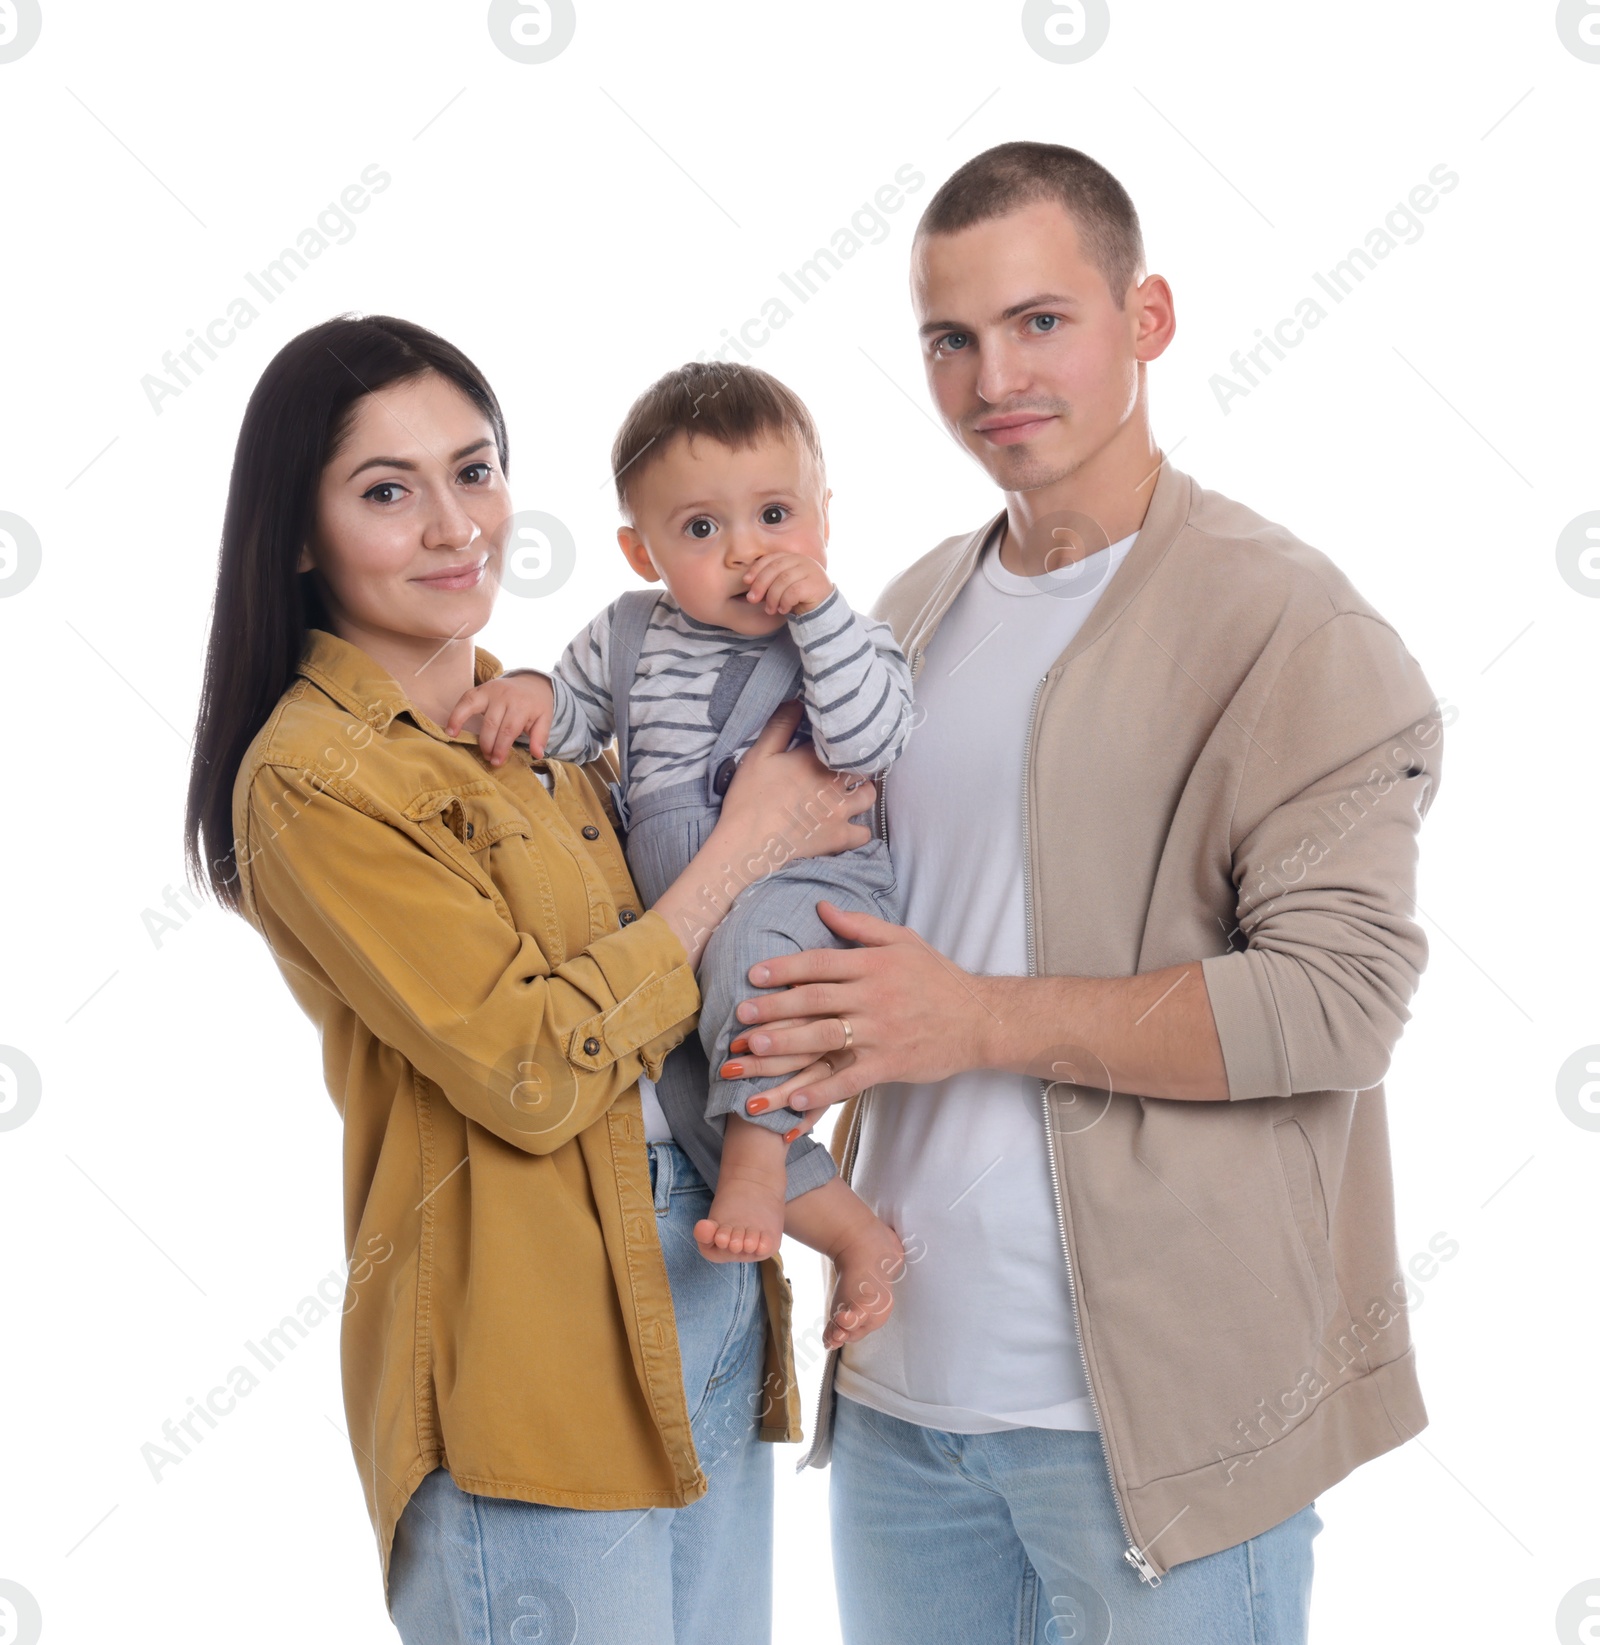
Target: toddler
{"type": "Point", "coordinates": [720, 478]}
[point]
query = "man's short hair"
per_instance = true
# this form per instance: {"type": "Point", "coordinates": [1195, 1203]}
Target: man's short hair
{"type": "Point", "coordinates": [733, 404]}
{"type": "Point", "coordinates": [1012, 175]}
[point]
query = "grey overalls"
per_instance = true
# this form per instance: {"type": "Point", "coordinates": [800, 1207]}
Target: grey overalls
{"type": "Point", "coordinates": [775, 916]}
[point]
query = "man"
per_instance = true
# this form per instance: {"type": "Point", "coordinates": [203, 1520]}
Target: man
{"type": "Point", "coordinates": [1116, 1082]}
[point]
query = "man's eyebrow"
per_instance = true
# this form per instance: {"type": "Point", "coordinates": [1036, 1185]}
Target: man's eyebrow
{"type": "Point", "coordinates": [410, 467]}
{"type": "Point", "coordinates": [1045, 299]}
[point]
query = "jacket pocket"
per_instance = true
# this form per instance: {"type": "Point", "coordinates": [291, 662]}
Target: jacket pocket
{"type": "Point", "coordinates": [1303, 1180]}
{"type": "Point", "coordinates": [476, 814]}
{"type": "Point", "coordinates": [464, 824]}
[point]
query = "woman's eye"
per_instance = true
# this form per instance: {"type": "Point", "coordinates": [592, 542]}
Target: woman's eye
{"type": "Point", "coordinates": [774, 514]}
{"type": "Point", "coordinates": [386, 491]}
{"type": "Point", "coordinates": [1045, 322]}
{"type": "Point", "coordinates": [701, 527]}
{"type": "Point", "coordinates": [476, 473]}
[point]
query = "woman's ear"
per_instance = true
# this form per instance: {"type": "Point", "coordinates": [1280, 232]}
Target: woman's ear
{"type": "Point", "coordinates": [305, 562]}
{"type": "Point", "coordinates": [636, 554]}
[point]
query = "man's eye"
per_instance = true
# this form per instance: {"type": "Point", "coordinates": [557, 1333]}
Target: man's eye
{"type": "Point", "coordinates": [952, 341]}
{"type": "Point", "coordinates": [774, 514]}
{"type": "Point", "coordinates": [701, 527]}
{"type": "Point", "coordinates": [386, 491]}
{"type": "Point", "coordinates": [1045, 322]}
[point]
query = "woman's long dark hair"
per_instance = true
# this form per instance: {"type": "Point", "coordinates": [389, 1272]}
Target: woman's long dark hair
{"type": "Point", "coordinates": [295, 421]}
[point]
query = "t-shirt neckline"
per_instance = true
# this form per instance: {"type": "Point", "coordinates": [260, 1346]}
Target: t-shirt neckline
{"type": "Point", "coordinates": [1085, 576]}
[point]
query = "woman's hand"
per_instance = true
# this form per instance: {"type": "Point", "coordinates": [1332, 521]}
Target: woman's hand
{"type": "Point", "coordinates": [512, 706]}
{"type": "Point", "coordinates": [785, 803]}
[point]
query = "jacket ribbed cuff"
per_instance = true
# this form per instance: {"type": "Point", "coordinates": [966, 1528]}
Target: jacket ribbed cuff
{"type": "Point", "coordinates": [1246, 1015]}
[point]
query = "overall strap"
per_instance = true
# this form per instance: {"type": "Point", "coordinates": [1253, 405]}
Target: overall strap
{"type": "Point", "coordinates": [629, 622]}
{"type": "Point", "coordinates": [774, 679]}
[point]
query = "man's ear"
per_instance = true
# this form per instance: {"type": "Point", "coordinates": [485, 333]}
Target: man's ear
{"type": "Point", "coordinates": [636, 554]}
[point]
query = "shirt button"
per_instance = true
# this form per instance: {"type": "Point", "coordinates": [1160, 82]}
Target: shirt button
{"type": "Point", "coordinates": [591, 1047]}
{"type": "Point", "coordinates": [472, 828]}
{"type": "Point", "coordinates": [724, 776]}
{"type": "Point", "coordinates": [627, 916]}
{"type": "Point", "coordinates": [590, 832]}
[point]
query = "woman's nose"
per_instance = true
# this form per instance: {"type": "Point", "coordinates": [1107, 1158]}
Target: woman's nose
{"type": "Point", "coordinates": [450, 525]}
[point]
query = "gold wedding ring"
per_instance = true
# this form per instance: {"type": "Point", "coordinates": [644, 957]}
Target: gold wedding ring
{"type": "Point", "coordinates": [849, 1033]}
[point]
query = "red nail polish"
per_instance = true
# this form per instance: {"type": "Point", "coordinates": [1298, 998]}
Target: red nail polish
{"type": "Point", "coordinates": [756, 1105]}
{"type": "Point", "coordinates": [740, 1044]}
{"type": "Point", "coordinates": [789, 1136]}
{"type": "Point", "coordinates": [731, 1070]}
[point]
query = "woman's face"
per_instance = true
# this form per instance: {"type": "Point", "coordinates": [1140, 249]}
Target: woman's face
{"type": "Point", "coordinates": [411, 517]}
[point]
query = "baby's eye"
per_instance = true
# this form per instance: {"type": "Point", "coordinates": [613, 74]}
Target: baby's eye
{"type": "Point", "coordinates": [774, 514]}
{"type": "Point", "coordinates": [701, 527]}
{"type": "Point", "coordinates": [390, 490]}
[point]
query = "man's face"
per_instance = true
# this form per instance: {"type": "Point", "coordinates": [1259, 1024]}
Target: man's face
{"type": "Point", "coordinates": [1030, 361]}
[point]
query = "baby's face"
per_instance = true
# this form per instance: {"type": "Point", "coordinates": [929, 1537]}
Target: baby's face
{"type": "Point", "coordinates": [704, 513]}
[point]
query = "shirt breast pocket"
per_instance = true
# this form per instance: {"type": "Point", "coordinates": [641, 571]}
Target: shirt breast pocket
{"type": "Point", "coordinates": [483, 834]}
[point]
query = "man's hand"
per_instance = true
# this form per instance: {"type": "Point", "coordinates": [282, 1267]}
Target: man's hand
{"type": "Point", "coordinates": [914, 1015]}
{"type": "Point", "coordinates": [785, 582]}
{"type": "Point", "coordinates": [512, 706]}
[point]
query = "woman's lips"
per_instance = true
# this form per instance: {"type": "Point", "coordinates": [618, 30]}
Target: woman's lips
{"type": "Point", "coordinates": [466, 576]}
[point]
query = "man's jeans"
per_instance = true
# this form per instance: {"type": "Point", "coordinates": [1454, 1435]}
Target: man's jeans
{"type": "Point", "coordinates": [1013, 1539]}
{"type": "Point", "coordinates": [476, 1570]}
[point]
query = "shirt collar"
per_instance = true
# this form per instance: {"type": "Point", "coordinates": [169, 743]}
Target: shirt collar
{"type": "Point", "coordinates": [359, 685]}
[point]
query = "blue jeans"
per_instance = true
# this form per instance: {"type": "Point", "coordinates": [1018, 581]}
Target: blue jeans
{"type": "Point", "coordinates": [476, 1570]}
{"type": "Point", "coordinates": [1013, 1539]}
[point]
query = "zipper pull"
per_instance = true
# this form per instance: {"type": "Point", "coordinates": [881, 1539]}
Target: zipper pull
{"type": "Point", "coordinates": [1147, 1571]}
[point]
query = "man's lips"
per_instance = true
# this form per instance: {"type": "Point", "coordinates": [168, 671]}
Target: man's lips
{"type": "Point", "coordinates": [457, 577]}
{"type": "Point", "coordinates": [1007, 431]}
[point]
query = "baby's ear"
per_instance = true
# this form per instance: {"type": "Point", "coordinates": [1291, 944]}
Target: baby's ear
{"type": "Point", "coordinates": [636, 554]}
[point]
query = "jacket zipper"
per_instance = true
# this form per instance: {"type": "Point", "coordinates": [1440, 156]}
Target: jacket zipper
{"type": "Point", "coordinates": [1132, 1553]}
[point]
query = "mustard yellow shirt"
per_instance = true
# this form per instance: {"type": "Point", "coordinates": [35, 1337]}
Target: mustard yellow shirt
{"type": "Point", "coordinates": [488, 991]}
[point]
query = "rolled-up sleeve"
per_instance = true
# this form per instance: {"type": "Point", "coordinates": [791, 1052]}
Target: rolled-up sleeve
{"type": "Point", "coordinates": [534, 1051]}
{"type": "Point", "coordinates": [1343, 765]}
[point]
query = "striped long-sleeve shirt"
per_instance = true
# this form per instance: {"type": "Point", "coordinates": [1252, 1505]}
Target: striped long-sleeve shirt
{"type": "Point", "coordinates": [857, 691]}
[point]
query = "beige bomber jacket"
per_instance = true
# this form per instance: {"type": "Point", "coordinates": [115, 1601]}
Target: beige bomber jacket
{"type": "Point", "coordinates": [1229, 763]}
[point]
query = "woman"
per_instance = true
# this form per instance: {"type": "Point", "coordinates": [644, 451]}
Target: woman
{"type": "Point", "coordinates": [535, 1356]}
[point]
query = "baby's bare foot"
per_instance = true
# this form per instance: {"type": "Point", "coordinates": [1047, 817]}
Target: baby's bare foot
{"type": "Point", "coordinates": [866, 1265]}
{"type": "Point", "coordinates": [745, 1223]}
{"type": "Point", "coordinates": [746, 1219]}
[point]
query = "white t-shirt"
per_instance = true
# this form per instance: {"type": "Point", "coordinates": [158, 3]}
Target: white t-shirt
{"type": "Point", "coordinates": [982, 1335]}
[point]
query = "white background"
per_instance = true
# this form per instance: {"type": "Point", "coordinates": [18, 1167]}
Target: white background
{"type": "Point", "coordinates": [578, 226]}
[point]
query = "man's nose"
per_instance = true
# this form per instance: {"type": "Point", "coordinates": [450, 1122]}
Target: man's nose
{"type": "Point", "coordinates": [1002, 372]}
